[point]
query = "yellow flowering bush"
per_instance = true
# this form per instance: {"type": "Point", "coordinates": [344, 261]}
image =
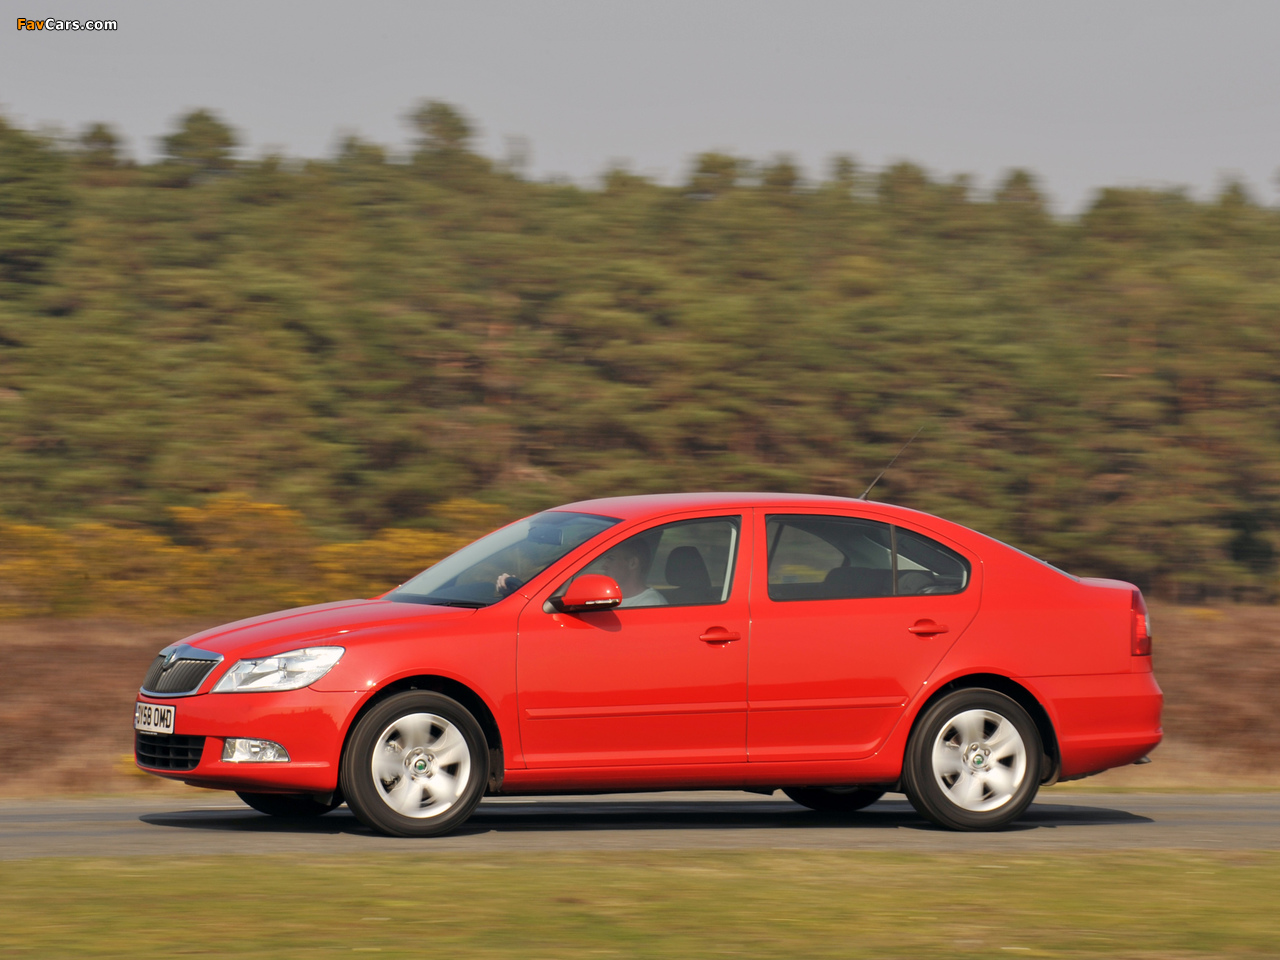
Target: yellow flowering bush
{"type": "Point", "coordinates": [231, 557]}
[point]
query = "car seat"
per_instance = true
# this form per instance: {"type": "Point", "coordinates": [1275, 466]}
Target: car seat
{"type": "Point", "coordinates": [687, 572]}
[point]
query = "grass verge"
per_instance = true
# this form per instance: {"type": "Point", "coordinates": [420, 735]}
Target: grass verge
{"type": "Point", "coordinates": [689, 905]}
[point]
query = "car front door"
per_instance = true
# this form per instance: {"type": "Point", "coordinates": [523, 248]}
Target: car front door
{"type": "Point", "coordinates": [849, 617]}
{"type": "Point", "coordinates": [663, 682]}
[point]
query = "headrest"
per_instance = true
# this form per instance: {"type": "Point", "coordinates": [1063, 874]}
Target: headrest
{"type": "Point", "coordinates": [686, 569]}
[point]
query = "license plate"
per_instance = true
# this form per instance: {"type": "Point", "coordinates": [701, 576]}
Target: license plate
{"type": "Point", "coordinates": [153, 717]}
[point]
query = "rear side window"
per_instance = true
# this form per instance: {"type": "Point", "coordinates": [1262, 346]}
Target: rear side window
{"type": "Point", "coordinates": [840, 558]}
{"type": "Point", "coordinates": [828, 558]}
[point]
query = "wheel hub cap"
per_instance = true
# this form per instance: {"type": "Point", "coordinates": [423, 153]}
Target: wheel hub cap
{"type": "Point", "coordinates": [978, 757]}
{"type": "Point", "coordinates": [421, 765]}
{"type": "Point", "coordinates": [979, 760]}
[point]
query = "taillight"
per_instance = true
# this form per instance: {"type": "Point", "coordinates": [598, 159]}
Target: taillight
{"type": "Point", "coordinates": [1140, 636]}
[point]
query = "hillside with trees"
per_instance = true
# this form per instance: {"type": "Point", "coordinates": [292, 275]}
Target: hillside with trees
{"type": "Point", "coordinates": [369, 341]}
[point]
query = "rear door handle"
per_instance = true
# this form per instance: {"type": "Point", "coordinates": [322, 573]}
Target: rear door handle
{"type": "Point", "coordinates": [719, 635]}
{"type": "Point", "coordinates": [927, 628]}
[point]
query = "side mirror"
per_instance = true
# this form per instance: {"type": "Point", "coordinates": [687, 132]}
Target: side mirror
{"type": "Point", "coordinates": [591, 591]}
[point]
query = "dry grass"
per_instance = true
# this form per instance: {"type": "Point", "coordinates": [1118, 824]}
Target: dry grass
{"type": "Point", "coordinates": [1218, 667]}
{"type": "Point", "coordinates": [72, 683]}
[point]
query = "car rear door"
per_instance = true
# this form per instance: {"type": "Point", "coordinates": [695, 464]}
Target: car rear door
{"type": "Point", "coordinates": [846, 626]}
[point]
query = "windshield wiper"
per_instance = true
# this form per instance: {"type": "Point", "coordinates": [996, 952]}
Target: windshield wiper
{"type": "Point", "coordinates": [401, 596]}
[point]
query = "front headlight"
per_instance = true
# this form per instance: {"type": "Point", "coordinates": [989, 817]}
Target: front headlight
{"type": "Point", "coordinates": [284, 671]}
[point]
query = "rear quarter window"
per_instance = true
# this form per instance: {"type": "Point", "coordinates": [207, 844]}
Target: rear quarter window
{"type": "Point", "coordinates": [925, 566]}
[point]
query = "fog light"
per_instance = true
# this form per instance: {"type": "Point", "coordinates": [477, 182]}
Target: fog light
{"type": "Point", "coordinates": [236, 750]}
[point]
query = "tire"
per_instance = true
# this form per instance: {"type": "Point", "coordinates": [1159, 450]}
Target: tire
{"type": "Point", "coordinates": [833, 799]}
{"type": "Point", "coordinates": [973, 761]}
{"type": "Point", "coordinates": [416, 765]}
{"type": "Point", "coordinates": [288, 806]}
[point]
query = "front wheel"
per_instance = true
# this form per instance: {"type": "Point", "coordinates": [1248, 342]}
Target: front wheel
{"type": "Point", "coordinates": [973, 761]}
{"type": "Point", "coordinates": [833, 799]}
{"type": "Point", "coordinates": [288, 806]}
{"type": "Point", "coordinates": [416, 765]}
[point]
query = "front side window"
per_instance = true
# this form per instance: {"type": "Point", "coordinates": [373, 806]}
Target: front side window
{"type": "Point", "coordinates": [686, 563]}
{"type": "Point", "coordinates": [838, 558]}
{"type": "Point", "coordinates": [497, 565]}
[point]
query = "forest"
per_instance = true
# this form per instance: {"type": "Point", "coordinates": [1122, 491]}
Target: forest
{"type": "Point", "coordinates": [228, 384]}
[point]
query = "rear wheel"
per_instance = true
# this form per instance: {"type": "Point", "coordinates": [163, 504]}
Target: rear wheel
{"type": "Point", "coordinates": [833, 799]}
{"type": "Point", "coordinates": [290, 806]}
{"type": "Point", "coordinates": [973, 761]}
{"type": "Point", "coordinates": [416, 765]}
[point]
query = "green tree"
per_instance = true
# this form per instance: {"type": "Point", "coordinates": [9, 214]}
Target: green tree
{"type": "Point", "coordinates": [361, 340]}
{"type": "Point", "coordinates": [99, 146]}
{"type": "Point", "coordinates": [442, 129]}
{"type": "Point", "coordinates": [443, 139]}
{"type": "Point", "coordinates": [715, 174]}
{"type": "Point", "coordinates": [781, 176]}
{"type": "Point", "coordinates": [35, 207]}
{"type": "Point", "coordinates": [201, 147]}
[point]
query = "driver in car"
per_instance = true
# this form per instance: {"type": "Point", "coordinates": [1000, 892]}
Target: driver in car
{"type": "Point", "coordinates": [628, 563]}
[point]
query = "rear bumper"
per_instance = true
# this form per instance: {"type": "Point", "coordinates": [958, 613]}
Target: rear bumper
{"type": "Point", "coordinates": [309, 724]}
{"type": "Point", "coordinates": [1101, 721]}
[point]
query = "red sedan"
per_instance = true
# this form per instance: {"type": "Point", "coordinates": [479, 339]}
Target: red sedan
{"type": "Point", "coordinates": [836, 649]}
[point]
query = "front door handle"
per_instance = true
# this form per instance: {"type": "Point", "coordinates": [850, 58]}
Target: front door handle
{"type": "Point", "coordinates": [719, 635]}
{"type": "Point", "coordinates": [927, 628]}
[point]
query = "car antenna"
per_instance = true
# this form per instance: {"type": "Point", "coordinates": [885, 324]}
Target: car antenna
{"type": "Point", "coordinates": [890, 463]}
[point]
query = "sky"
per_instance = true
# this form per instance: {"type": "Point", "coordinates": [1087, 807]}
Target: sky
{"type": "Point", "coordinates": [1086, 94]}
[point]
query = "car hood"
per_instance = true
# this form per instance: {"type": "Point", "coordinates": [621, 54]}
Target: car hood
{"type": "Point", "coordinates": [338, 623]}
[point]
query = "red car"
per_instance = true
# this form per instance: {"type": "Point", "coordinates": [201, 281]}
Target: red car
{"type": "Point", "coordinates": [836, 649]}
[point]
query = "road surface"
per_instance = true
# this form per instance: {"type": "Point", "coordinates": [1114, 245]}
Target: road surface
{"type": "Point", "coordinates": [208, 824]}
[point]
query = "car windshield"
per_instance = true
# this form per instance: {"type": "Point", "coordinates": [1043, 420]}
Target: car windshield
{"type": "Point", "coordinates": [495, 566]}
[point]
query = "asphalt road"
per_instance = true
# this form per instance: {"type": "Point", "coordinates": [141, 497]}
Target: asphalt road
{"type": "Point", "coordinates": [167, 827]}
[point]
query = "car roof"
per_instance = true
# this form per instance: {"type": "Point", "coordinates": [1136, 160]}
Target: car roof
{"type": "Point", "coordinates": [657, 504]}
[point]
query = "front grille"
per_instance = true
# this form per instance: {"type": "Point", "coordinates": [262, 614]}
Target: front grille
{"type": "Point", "coordinates": [162, 751]}
{"type": "Point", "coordinates": [170, 677]}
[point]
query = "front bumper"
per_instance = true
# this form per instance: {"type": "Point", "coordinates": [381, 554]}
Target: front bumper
{"type": "Point", "coordinates": [309, 724]}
